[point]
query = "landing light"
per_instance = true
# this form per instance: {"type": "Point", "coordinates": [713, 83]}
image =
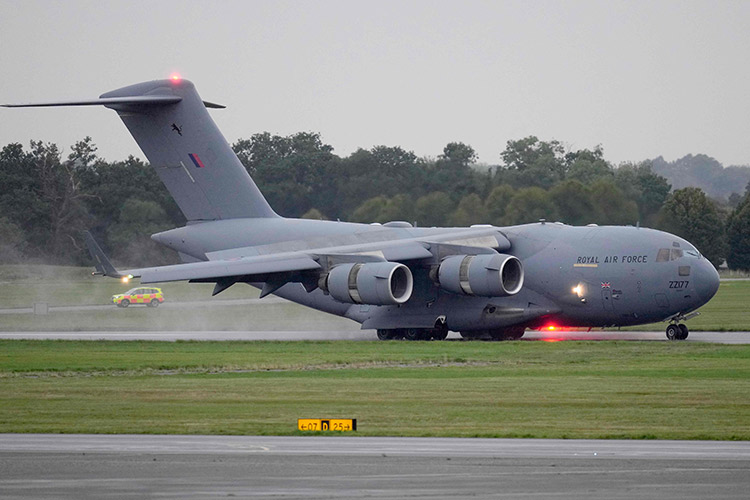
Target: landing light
{"type": "Point", "coordinates": [125, 279]}
{"type": "Point", "coordinates": [578, 290]}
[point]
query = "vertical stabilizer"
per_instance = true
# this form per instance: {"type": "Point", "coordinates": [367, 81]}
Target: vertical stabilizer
{"type": "Point", "coordinates": [188, 151]}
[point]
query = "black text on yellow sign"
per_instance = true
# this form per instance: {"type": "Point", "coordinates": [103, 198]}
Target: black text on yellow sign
{"type": "Point", "coordinates": [327, 424]}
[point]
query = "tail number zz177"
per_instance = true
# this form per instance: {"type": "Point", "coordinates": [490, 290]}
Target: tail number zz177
{"type": "Point", "coordinates": [678, 284]}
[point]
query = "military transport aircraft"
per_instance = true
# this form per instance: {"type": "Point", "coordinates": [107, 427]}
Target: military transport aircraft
{"type": "Point", "coordinates": [404, 281]}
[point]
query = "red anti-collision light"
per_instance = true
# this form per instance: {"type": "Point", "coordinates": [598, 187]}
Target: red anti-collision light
{"type": "Point", "coordinates": [175, 77]}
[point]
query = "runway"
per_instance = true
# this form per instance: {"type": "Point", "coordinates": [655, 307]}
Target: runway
{"type": "Point", "coordinates": [299, 335]}
{"type": "Point", "coordinates": [117, 466]}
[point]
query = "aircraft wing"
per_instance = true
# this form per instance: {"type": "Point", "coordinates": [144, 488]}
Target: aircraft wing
{"type": "Point", "coordinates": [276, 269]}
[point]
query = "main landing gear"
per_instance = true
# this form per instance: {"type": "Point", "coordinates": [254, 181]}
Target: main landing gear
{"type": "Point", "coordinates": [677, 331]}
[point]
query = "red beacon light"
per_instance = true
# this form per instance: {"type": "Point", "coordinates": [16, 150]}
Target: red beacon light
{"type": "Point", "coordinates": [175, 78]}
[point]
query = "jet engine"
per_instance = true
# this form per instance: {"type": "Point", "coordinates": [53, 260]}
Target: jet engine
{"type": "Point", "coordinates": [484, 275]}
{"type": "Point", "coordinates": [374, 283]}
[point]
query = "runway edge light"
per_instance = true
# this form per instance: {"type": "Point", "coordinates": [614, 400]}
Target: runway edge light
{"type": "Point", "coordinates": [327, 424]}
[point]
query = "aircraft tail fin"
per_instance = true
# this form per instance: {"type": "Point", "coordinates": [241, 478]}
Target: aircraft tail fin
{"type": "Point", "coordinates": [170, 123]}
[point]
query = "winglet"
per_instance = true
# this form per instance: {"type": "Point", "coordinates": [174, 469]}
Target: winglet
{"type": "Point", "coordinates": [103, 266]}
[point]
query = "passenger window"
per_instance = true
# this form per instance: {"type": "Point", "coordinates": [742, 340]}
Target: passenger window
{"type": "Point", "coordinates": [676, 254]}
{"type": "Point", "coordinates": [663, 255]}
{"type": "Point", "coordinates": [684, 270]}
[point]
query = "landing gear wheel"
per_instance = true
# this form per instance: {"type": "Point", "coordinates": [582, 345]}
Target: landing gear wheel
{"type": "Point", "coordinates": [515, 333]}
{"type": "Point", "coordinates": [390, 334]}
{"type": "Point", "coordinates": [683, 331]}
{"type": "Point", "coordinates": [440, 333]}
{"type": "Point", "coordinates": [673, 332]}
{"type": "Point", "coordinates": [153, 303]}
{"type": "Point", "coordinates": [414, 334]}
{"type": "Point", "coordinates": [124, 303]}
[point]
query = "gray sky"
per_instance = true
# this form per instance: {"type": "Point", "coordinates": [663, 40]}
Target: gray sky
{"type": "Point", "coordinates": [640, 78]}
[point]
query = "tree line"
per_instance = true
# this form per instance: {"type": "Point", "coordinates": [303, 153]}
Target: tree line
{"type": "Point", "coordinates": [47, 201]}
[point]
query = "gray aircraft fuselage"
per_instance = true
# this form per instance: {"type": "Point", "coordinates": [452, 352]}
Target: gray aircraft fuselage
{"type": "Point", "coordinates": [403, 281]}
{"type": "Point", "coordinates": [589, 276]}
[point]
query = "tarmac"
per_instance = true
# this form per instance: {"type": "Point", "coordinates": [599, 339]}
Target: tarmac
{"type": "Point", "coordinates": [192, 467]}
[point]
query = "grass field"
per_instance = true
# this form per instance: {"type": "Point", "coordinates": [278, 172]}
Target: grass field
{"type": "Point", "coordinates": [21, 286]}
{"type": "Point", "coordinates": [518, 389]}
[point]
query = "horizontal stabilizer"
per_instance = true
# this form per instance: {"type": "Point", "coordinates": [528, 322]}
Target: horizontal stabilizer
{"type": "Point", "coordinates": [105, 101]}
{"type": "Point", "coordinates": [142, 100]}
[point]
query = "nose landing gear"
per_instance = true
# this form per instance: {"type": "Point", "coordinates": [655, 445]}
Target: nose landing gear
{"type": "Point", "coordinates": [677, 331]}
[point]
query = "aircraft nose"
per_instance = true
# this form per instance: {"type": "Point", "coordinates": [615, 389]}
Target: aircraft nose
{"type": "Point", "coordinates": [706, 280]}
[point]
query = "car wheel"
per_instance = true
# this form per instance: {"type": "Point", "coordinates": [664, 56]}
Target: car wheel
{"type": "Point", "coordinates": [154, 303]}
{"type": "Point", "coordinates": [124, 303]}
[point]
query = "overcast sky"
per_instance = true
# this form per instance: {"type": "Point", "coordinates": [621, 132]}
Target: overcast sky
{"type": "Point", "coordinates": [642, 79]}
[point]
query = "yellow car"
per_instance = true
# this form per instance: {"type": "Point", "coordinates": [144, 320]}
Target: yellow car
{"type": "Point", "coordinates": [151, 297]}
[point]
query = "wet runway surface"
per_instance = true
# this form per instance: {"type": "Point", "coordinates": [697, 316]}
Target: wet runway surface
{"type": "Point", "coordinates": [716, 337]}
{"type": "Point", "coordinates": [117, 466]}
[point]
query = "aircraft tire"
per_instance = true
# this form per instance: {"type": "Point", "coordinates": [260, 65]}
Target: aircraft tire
{"type": "Point", "coordinates": [515, 333]}
{"type": "Point", "coordinates": [124, 303]}
{"type": "Point", "coordinates": [386, 334]}
{"type": "Point", "coordinates": [673, 332]}
{"type": "Point", "coordinates": [684, 332]}
{"type": "Point", "coordinates": [440, 333]}
{"type": "Point", "coordinates": [415, 334]}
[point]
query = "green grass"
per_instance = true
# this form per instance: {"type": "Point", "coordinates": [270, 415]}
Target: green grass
{"type": "Point", "coordinates": [519, 389]}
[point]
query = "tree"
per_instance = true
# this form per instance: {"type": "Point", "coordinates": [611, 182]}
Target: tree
{"type": "Point", "coordinates": [611, 206]}
{"type": "Point", "coordinates": [400, 207]}
{"type": "Point", "coordinates": [370, 210]}
{"type": "Point", "coordinates": [130, 238]}
{"type": "Point", "coordinates": [534, 162]}
{"type": "Point", "coordinates": [738, 236]}
{"type": "Point", "coordinates": [63, 199]}
{"type": "Point", "coordinates": [497, 203]}
{"type": "Point", "coordinates": [529, 205]}
{"type": "Point", "coordinates": [574, 202]}
{"type": "Point", "coordinates": [470, 211]}
{"type": "Point", "coordinates": [588, 166]}
{"type": "Point", "coordinates": [689, 213]}
{"type": "Point", "coordinates": [434, 209]}
{"type": "Point", "coordinates": [12, 242]}
{"type": "Point", "coordinates": [314, 214]}
{"type": "Point", "coordinates": [646, 188]}
{"type": "Point", "coordinates": [293, 172]}
{"type": "Point", "coordinates": [459, 154]}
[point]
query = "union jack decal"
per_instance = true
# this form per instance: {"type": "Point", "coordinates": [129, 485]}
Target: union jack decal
{"type": "Point", "coordinates": [605, 284]}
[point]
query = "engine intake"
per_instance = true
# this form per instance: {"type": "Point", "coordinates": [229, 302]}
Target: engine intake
{"type": "Point", "coordinates": [484, 275]}
{"type": "Point", "coordinates": [374, 283]}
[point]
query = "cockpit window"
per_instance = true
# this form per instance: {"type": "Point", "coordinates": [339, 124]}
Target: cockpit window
{"type": "Point", "coordinates": [663, 255]}
{"type": "Point", "coordinates": [693, 253]}
{"type": "Point", "coordinates": [667, 254]}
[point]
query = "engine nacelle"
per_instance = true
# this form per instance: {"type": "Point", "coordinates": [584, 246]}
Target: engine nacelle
{"type": "Point", "coordinates": [484, 275]}
{"type": "Point", "coordinates": [374, 283]}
